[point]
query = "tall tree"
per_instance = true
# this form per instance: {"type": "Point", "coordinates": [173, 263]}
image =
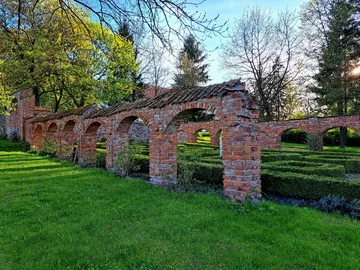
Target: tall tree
{"type": "Point", "coordinates": [339, 52]}
{"type": "Point", "coordinates": [263, 50]}
{"type": "Point", "coordinates": [191, 68]}
{"type": "Point", "coordinates": [55, 55]}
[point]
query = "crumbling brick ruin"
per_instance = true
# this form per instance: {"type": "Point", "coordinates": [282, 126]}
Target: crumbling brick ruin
{"type": "Point", "coordinates": [165, 121]}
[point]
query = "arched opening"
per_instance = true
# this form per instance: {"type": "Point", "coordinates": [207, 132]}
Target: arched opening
{"type": "Point", "coordinates": [294, 138]}
{"type": "Point", "coordinates": [36, 142]}
{"type": "Point", "coordinates": [88, 154]}
{"type": "Point", "coordinates": [181, 164]}
{"type": "Point", "coordinates": [341, 138]}
{"type": "Point", "coordinates": [68, 145]}
{"type": "Point", "coordinates": [131, 148]}
{"type": "Point", "coordinates": [50, 144]}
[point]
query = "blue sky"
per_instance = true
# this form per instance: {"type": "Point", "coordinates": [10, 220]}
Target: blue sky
{"type": "Point", "coordinates": [230, 10]}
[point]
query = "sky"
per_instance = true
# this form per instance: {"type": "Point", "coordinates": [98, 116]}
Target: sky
{"type": "Point", "coordinates": [230, 10]}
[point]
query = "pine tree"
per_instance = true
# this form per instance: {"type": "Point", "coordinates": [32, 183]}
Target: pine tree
{"type": "Point", "coordinates": [192, 70]}
{"type": "Point", "coordinates": [341, 50]}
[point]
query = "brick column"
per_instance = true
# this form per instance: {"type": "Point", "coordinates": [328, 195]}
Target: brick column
{"type": "Point", "coordinates": [87, 150]}
{"type": "Point", "coordinates": [66, 145]}
{"type": "Point", "coordinates": [315, 141]}
{"type": "Point", "coordinates": [215, 139]}
{"type": "Point", "coordinates": [163, 157]}
{"type": "Point", "coordinates": [241, 159]}
{"type": "Point", "coordinates": [116, 144]}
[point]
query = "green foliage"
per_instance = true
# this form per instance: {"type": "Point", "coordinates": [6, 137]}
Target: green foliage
{"type": "Point", "coordinates": [294, 135]}
{"type": "Point", "coordinates": [350, 163]}
{"type": "Point", "coordinates": [270, 157]}
{"type": "Point", "coordinates": [308, 186]}
{"type": "Point", "coordinates": [126, 161]}
{"type": "Point", "coordinates": [324, 169]}
{"type": "Point", "coordinates": [101, 159]}
{"type": "Point", "coordinates": [68, 61]}
{"type": "Point", "coordinates": [192, 71]}
{"type": "Point", "coordinates": [49, 147]}
{"type": "Point", "coordinates": [339, 55]}
{"type": "Point", "coordinates": [332, 137]}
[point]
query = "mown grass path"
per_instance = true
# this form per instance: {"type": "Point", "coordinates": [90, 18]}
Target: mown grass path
{"type": "Point", "coordinates": [59, 216]}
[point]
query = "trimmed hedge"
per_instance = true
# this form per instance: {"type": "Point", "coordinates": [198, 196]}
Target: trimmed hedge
{"type": "Point", "coordinates": [308, 186]}
{"type": "Point", "coordinates": [210, 173]}
{"type": "Point", "coordinates": [279, 156]}
{"type": "Point", "coordinates": [324, 169]}
{"type": "Point", "coordinates": [350, 163]}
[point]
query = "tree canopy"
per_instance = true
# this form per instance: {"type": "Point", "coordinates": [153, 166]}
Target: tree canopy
{"type": "Point", "coordinates": [68, 61]}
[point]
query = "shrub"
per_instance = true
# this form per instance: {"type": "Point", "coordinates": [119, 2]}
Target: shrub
{"type": "Point", "coordinates": [332, 170]}
{"type": "Point", "coordinates": [307, 186]}
{"type": "Point", "coordinates": [294, 136]}
{"type": "Point", "coordinates": [350, 163]}
{"type": "Point", "coordinates": [49, 147]}
{"type": "Point", "coordinates": [280, 156]}
{"type": "Point", "coordinates": [333, 203]}
{"type": "Point", "coordinates": [101, 159]}
{"type": "Point", "coordinates": [126, 161]}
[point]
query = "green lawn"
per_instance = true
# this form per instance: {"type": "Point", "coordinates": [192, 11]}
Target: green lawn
{"type": "Point", "coordinates": [60, 216]}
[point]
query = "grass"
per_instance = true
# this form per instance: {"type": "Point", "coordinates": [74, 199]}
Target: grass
{"type": "Point", "coordinates": [60, 216]}
{"type": "Point", "coordinates": [352, 149]}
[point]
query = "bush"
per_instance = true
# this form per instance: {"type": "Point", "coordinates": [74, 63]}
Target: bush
{"type": "Point", "coordinates": [126, 161]}
{"type": "Point", "coordinates": [333, 203]}
{"type": "Point", "coordinates": [350, 163]}
{"type": "Point", "coordinates": [324, 169]}
{"type": "Point", "coordinates": [49, 147]}
{"type": "Point", "coordinates": [101, 159]}
{"type": "Point", "coordinates": [265, 157]}
{"type": "Point", "coordinates": [308, 186]}
{"type": "Point", "coordinates": [294, 136]}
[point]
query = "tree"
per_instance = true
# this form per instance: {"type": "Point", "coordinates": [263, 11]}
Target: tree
{"type": "Point", "coordinates": [338, 54]}
{"type": "Point", "coordinates": [263, 52]}
{"type": "Point", "coordinates": [55, 55]}
{"type": "Point", "coordinates": [191, 70]}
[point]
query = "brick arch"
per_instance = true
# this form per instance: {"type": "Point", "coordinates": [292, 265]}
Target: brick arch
{"type": "Point", "coordinates": [69, 126]}
{"type": "Point", "coordinates": [93, 126]}
{"type": "Point", "coordinates": [37, 136]}
{"type": "Point", "coordinates": [186, 107]}
{"type": "Point", "coordinates": [67, 139]}
{"type": "Point", "coordinates": [282, 131]}
{"type": "Point", "coordinates": [133, 115]}
{"type": "Point", "coordinates": [127, 120]}
{"type": "Point", "coordinates": [52, 128]}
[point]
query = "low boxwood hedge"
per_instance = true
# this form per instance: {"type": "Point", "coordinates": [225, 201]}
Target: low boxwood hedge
{"type": "Point", "coordinates": [208, 172]}
{"type": "Point", "coordinates": [324, 169]}
{"type": "Point", "coordinates": [308, 186]}
{"type": "Point", "coordinates": [265, 157]}
{"type": "Point", "coordinates": [350, 163]}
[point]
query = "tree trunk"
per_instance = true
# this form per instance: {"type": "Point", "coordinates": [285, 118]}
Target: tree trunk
{"type": "Point", "coordinates": [343, 132]}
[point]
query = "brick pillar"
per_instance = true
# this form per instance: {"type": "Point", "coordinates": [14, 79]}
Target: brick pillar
{"type": "Point", "coordinates": [87, 150]}
{"type": "Point", "coordinates": [163, 157]}
{"type": "Point", "coordinates": [191, 136]}
{"type": "Point", "coordinates": [66, 145]}
{"type": "Point", "coordinates": [118, 143]}
{"type": "Point", "coordinates": [215, 139]}
{"type": "Point", "coordinates": [241, 159]}
{"type": "Point", "coordinates": [315, 141]}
